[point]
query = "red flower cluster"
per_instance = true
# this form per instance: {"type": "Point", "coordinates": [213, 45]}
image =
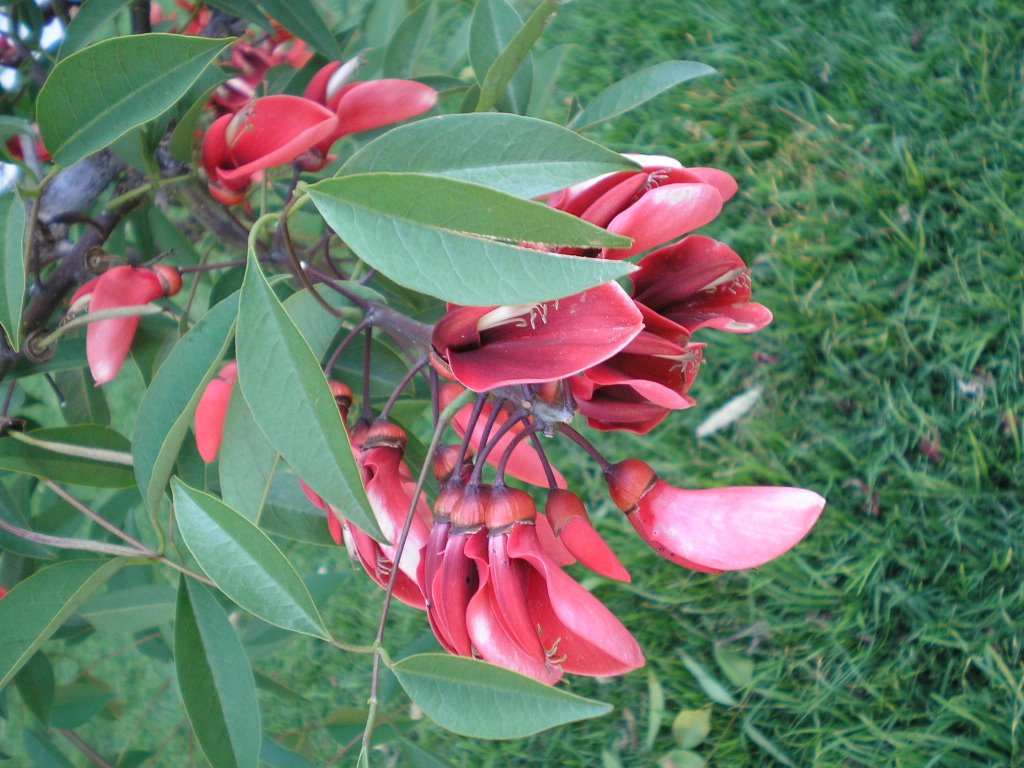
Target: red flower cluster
{"type": "Point", "coordinates": [261, 133]}
{"type": "Point", "coordinates": [486, 564]}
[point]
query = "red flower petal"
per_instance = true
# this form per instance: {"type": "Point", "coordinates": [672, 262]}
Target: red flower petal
{"type": "Point", "coordinates": [213, 410]}
{"type": "Point", "coordinates": [107, 342]}
{"type": "Point", "coordinates": [724, 529]}
{"type": "Point", "coordinates": [663, 214]}
{"type": "Point", "coordinates": [376, 103]}
{"type": "Point", "coordinates": [539, 343]}
{"type": "Point", "coordinates": [576, 629]}
{"type": "Point", "coordinates": [699, 282]}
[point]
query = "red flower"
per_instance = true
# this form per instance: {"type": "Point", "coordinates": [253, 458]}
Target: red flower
{"type": "Point", "coordinates": [652, 206]}
{"type": "Point", "coordinates": [366, 105]}
{"type": "Point", "coordinates": [107, 342]}
{"type": "Point", "coordinates": [489, 347]}
{"type": "Point", "coordinates": [495, 593]}
{"type": "Point", "coordinates": [3, 593]}
{"type": "Point", "coordinates": [213, 410]}
{"type": "Point", "coordinates": [699, 282]}
{"type": "Point", "coordinates": [270, 131]}
{"type": "Point", "coordinates": [712, 530]}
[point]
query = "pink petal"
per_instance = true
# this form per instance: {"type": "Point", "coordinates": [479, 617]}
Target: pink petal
{"type": "Point", "coordinates": [107, 342]}
{"type": "Point", "coordinates": [725, 529]}
{"type": "Point", "coordinates": [376, 103]}
{"type": "Point", "coordinates": [213, 410]}
{"type": "Point", "coordinates": [663, 214]}
{"type": "Point", "coordinates": [581, 538]}
{"type": "Point", "coordinates": [507, 579]}
{"type": "Point", "coordinates": [720, 180]}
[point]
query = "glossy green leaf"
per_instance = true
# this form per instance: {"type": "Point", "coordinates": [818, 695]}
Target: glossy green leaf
{"type": "Point", "coordinates": [215, 680]}
{"type": "Point", "coordinates": [130, 609]}
{"type": "Point", "coordinates": [88, 24]}
{"type": "Point", "coordinates": [714, 689]}
{"type": "Point", "coordinates": [513, 55]}
{"type": "Point", "coordinates": [84, 402]}
{"type": "Point", "coordinates": [12, 265]}
{"type": "Point", "coordinates": [100, 93]}
{"type": "Point", "coordinates": [37, 606]}
{"type": "Point", "coordinates": [691, 727]}
{"type": "Point", "coordinates": [183, 136]}
{"type": "Point", "coordinates": [17, 456]}
{"type": "Point", "coordinates": [246, 461]}
{"type": "Point", "coordinates": [290, 399]}
{"type": "Point", "coordinates": [442, 237]}
{"type": "Point", "coordinates": [244, 563]}
{"type": "Point", "coordinates": [493, 26]}
{"type": "Point", "coordinates": [316, 325]}
{"type": "Point", "coordinates": [166, 411]}
{"type": "Point", "coordinates": [35, 684]}
{"type": "Point", "coordinates": [11, 513]}
{"type": "Point", "coordinates": [303, 19]}
{"type": "Point", "coordinates": [477, 699]}
{"type": "Point", "coordinates": [519, 155]}
{"type": "Point", "coordinates": [637, 88]}
{"type": "Point", "coordinates": [547, 68]}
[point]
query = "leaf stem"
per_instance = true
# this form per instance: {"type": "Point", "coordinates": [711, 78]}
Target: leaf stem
{"type": "Point", "coordinates": [95, 317]}
{"type": "Point", "coordinates": [70, 449]}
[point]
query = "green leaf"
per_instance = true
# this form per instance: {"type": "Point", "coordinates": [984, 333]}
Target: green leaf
{"type": "Point", "coordinates": [10, 513]}
{"type": "Point", "coordinates": [35, 683]}
{"type": "Point", "coordinates": [43, 752]}
{"type": "Point", "coordinates": [12, 265]}
{"type": "Point", "coordinates": [215, 679]}
{"type": "Point", "coordinates": [83, 403]}
{"type": "Point", "coordinates": [288, 513]}
{"type": "Point", "coordinates": [183, 135]}
{"type": "Point", "coordinates": [76, 703]}
{"type": "Point", "coordinates": [714, 689]}
{"type": "Point", "coordinates": [17, 456]}
{"type": "Point", "coordinates": [519, 155]}
{"type": "Point", "coordinates": [477, 699]}
{"type": "Point", "coordinates": [655, 709]}
{"type": "Point", "coordinates": [737, 667]}
{"type": "Point", "coordinates": [303, 19]}
{"type": "Point", "coordinates": [37, 606]}
{"type": "Point", "coordinates": [276, 756]}
{"type": "Point", "coordinates": [681, 758]}
{"type": "Point", "coordinates": [246, 461]}
{"type": "Point", "coordinates": [691, 727]}
{"type": "Point", "coordinates": [244, 9]}
{"type": "Point", "coordinates": [100, 93]}
{"type": "Point", "coordinates": [166, 410]}
{"type": "Point", "coordinates": [88, 24]}
{"type": "Point", "coordinates": [291, 401]}
{"type": "Point", "coordinates": [440, 236]}
{"type": "Point", "coordinates": [410, 37]}
{"type": "Point", "coordinates": [131, 609]}
{"type": "Point", "coordinates": [244, 563]}
{"type": "Point", "coordinates": [547, 68]}
{"type": "Point", "coordinates": [637, 88]}
{"type": "Point", "coordinates": [513, 55]}
{"type": "Point", "coordinates": [757, 736]}
{"type": "Point", "coordinates": [493, 26]}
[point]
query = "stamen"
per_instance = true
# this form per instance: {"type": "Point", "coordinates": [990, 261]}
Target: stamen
{"type": "Point", "coordinates": [734, 278]}
{"type": "Point", "coordinates": [519, 315]}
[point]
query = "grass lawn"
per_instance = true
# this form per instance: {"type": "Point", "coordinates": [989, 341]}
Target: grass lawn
{"type": "Point", "coordinates": [880, 154]}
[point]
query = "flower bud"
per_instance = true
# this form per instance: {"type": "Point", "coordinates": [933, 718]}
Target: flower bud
{"type": "Point", "coordinates": [571, 524]}
{"type": "Point", "coordinates": [628, 482]}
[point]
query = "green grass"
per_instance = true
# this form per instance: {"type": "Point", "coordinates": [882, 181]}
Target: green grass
{"type": "Point", "coordinates": [880, 155]}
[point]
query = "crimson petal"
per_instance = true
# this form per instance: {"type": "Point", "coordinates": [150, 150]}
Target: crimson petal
{"type": "Point", "coordinates": [540, 343]}
{"type": "Point", "coordinates": [663, 214]}
{"type": "Point", "coordinates": [213, 410]}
